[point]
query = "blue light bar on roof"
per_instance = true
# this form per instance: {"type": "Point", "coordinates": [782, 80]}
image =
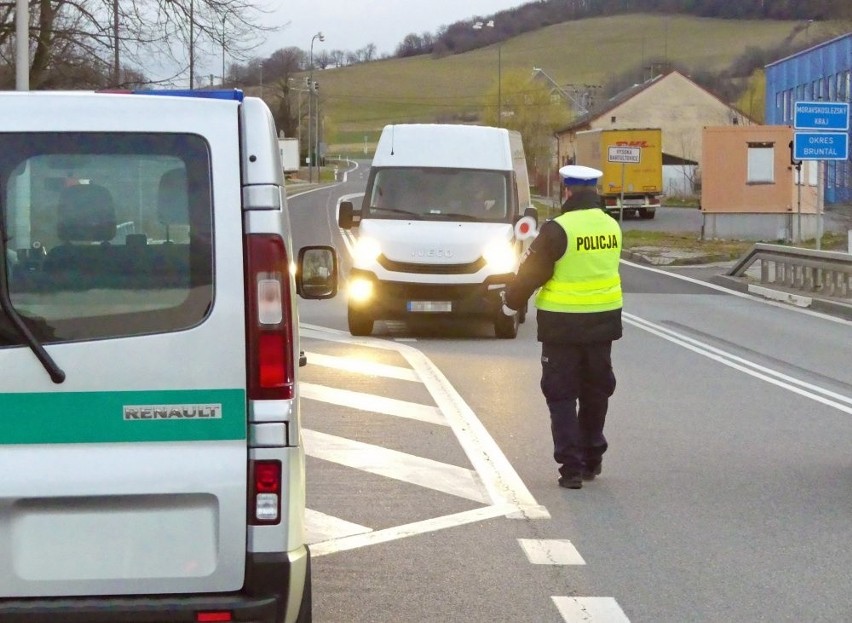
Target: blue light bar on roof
{"type": "Point", "coordinates": [236, 95]}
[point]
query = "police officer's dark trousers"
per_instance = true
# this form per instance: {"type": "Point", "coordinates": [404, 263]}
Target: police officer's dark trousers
{"type": "Point", "coordinates": [572, 375]}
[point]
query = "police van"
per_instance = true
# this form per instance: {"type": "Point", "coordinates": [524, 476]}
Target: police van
{"type": "Point", "coordinates": [444, 220]}
{"type": "Point", "coordinates": [150, 436]}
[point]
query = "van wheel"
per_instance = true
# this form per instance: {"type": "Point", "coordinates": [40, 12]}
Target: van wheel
{"type": "Point", "coordinates": [506, 327]}
{"type": "Point", "coordinates": [360, 322]}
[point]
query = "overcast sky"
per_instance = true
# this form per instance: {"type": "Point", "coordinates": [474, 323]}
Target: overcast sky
{"type": "Point", "coordinates": [352, 24]}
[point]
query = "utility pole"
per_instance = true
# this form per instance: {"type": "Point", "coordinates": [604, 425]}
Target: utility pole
{"type": "Point", "coordinates": [311, 93]}
{"type": "Point", "coordinates": [116, 61]}
{"type": "Point", "coordinates": [22, 45]}
{"type": "Point", "coordinates": [191, 44]}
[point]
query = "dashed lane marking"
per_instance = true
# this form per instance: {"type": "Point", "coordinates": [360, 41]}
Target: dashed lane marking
{"type": "Point", "coordinates": [551, 552]}
{"type": "Point", "coordinates": [416, 470]}
{"type": "Point", "coordinates": [590, 610]}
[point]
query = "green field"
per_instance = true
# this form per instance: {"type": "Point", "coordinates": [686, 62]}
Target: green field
{"type": "Point", "coordinates": [357, 101]}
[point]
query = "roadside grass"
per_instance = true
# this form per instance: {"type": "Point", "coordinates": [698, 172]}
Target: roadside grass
{"type": "Point", "coordinates": [718, 250]}
{"type": "Point", "coordinates": [710, 250]}
{"type": "Point", "coordinates": [681, 202]}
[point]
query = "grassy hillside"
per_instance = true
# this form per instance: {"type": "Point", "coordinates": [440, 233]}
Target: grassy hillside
{"type": "Point", "coordinates": [359, 100]}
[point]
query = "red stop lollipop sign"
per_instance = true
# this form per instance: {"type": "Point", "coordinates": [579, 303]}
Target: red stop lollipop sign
{"type": "Point", "coordinates": [525, 228]}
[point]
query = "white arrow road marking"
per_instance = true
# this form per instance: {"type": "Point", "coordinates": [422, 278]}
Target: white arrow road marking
{"type": "Point", "coordinates": [321, 527]}
{"type": "Point", "coordinates": [502, 482]}
{"type": "Point", "coordinates": [590, 610]}
{"type": "Point", "coordinates": [373, 403]}
{"type": "Point", "coordinates": [551, 552]}
{"type": "Point", "coordinates": [360, 366]}
{"type": "Point", "coordinates": [441, 477]}
{"type": "Point", "coordinates": [412, 529]}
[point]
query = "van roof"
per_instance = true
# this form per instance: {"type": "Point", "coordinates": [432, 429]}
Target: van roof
{"type": "Point", "coordinates": [444, 145]}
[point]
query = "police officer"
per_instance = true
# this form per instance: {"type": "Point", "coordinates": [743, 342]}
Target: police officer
{"type": "Point", "coordinates": [574, 261]}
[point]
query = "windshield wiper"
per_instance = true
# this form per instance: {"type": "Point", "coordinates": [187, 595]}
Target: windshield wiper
{"type": "Point", "coordinates": [414, 215]}
{"type": "Point", "coordinates": [457, 215]}
{"type": "Point", "coordinates": [57, 375]}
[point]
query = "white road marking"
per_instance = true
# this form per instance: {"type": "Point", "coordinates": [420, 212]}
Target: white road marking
{"type": "Point", "coordinates": [360, 366]}
{"type": "Point", "coordinates": [590, 610]}
{"type": "Point", "coordinates": [373, 403]}
{"type": "Point", "coordinates": [412, 529]}
{"type": "Point", "coordinates": [751, 297]}
{"type": "Point", "coordinates": [551, 552]}
{"type": "Point", "coordinates": [503, 484]}
{"type": "Point", "coordinates": [416, 470]}
{"type": "Point", "coordinates": [321, 527]}
{"type": "Point", "coordinates": [797, 386]}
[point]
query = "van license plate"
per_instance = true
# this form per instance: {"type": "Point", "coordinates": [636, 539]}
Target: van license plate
{"type": "Point", "coordinates": [430, 306]}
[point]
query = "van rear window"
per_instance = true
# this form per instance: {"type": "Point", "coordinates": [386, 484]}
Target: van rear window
{"type": "Point", "coordinates": [106, 234]}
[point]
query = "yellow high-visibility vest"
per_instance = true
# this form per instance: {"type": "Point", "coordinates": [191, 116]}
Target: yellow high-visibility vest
{"type": "Point", "coordinates": [585, 278]}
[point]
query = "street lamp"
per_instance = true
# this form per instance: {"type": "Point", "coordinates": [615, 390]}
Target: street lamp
{"type": "Point", "coordinates": [490, 24]}
{"type": "Point", "coordinates": [312, 89]}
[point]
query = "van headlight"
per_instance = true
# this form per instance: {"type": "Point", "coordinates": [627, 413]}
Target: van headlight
{"type": "Point", "coordinates": [366, 251]}
{"type": "Point", "coordinates": [360, 290]}
{"type": "Point", "coordinates": [501, 256]}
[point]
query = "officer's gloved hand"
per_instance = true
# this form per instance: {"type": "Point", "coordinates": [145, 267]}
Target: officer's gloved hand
{"type": "Point", "coordinates": [508, 311]}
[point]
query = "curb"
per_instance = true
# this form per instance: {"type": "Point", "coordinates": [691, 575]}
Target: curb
{"type": "Point", "coordinates": [826, 306]}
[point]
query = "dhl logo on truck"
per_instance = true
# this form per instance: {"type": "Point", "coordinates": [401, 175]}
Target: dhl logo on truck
{"type": "Point", "coordinates": [632, 144]}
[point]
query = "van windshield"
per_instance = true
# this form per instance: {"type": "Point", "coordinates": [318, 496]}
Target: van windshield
{"type": "Point", "coordinates": [439, 194]}
{"type": "Point", "coordinates": [107, 234]}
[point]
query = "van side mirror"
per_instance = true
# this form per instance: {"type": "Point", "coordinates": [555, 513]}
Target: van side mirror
{"type": "Point", "coordinates": [345, 215]}
{"type": "Point", "coordinates": [533, 212]}
{"type": "Point", "coordinates": [317, 272]}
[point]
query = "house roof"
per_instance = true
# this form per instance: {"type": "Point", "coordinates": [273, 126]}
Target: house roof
{"type": "Point", "coordinates": [810, 49]}
{"type": "Point", "coordinates": [628, 94]}
{"type": "Point", "coordinates": [614, 102]}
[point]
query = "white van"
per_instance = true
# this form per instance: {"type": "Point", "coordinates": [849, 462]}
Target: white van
{"type": "Point", "coordinates": [152, 468]}
{"type": "Point", "coordinates": [437, 226]}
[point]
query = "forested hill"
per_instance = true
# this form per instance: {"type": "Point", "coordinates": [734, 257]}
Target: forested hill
{"type": "Point", "coordinates": [460, 37]}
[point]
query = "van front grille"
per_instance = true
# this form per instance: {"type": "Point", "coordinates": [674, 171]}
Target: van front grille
{"type": "Point", "coordinates": [432, 269]}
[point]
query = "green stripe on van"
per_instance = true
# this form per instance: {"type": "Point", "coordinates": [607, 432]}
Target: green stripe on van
{"type": "Point", "coordinates": [123, 417]}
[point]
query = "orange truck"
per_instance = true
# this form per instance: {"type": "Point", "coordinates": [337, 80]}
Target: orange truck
{"type": "Point", "coordinates": [632, 165]}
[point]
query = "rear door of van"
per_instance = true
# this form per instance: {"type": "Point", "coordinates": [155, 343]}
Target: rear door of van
{"type": "Point", "coordinates": [123, 447]}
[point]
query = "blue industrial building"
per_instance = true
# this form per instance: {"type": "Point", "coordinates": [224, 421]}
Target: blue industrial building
{"type": "Point", "coordinates": [820, 73]}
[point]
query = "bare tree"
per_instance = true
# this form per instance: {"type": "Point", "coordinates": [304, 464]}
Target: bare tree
{"type": "Point", "coordinates": [112, 43]}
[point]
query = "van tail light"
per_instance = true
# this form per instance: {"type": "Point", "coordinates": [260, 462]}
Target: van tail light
{"type": "Point", "coordinates": [264, 506]}
{"type": "Point", "coordinates": [269, 319]}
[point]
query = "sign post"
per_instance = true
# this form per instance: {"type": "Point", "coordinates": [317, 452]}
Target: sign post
{"type": "Point", "coordinates": [625, 155]}
{"type": "Point", "coordinates": [822, 133]}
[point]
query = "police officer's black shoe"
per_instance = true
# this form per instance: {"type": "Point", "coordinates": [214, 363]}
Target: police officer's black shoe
{"type": "Point", "coordinates": [589, 473]}
{"type": "Point", "coordinates": [571, 481]}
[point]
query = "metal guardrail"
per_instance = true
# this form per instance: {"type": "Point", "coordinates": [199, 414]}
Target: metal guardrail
{"type": "Point", "coordinates": [826, 273]}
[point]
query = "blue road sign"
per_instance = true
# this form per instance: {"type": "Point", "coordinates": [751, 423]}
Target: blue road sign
{"type": "Point", "coordinates": [821, 116]}
{"type": "Point", "coordinates": [821, 146]}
